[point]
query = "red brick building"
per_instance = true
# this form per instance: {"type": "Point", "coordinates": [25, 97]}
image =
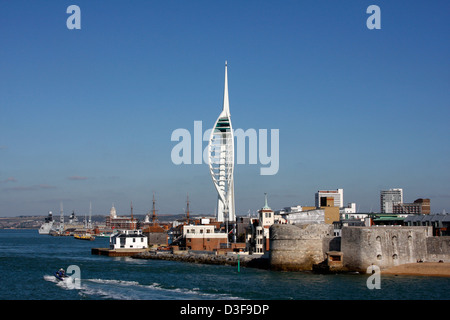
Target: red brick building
{"type": "Point", "coordinates": [203, 237]}
{"type": "Point", "coordinates": [419, 206]}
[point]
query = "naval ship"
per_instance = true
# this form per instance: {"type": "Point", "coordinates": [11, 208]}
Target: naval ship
{"type": "Point", "coordinates": [47, 226]}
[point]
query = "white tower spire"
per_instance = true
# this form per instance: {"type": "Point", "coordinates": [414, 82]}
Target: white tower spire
{"type": "Point", "coordinates": [226, 103]}
{"type": "Point", "coordinates": [221, 159]}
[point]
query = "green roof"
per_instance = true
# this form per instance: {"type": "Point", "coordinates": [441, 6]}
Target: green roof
{"type": "Point", "coordinates": [266, 205]}
{"type": "Point", "coordinates": [388, 218]}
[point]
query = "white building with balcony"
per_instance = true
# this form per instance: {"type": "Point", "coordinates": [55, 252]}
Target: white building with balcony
{"type": "Point", "coordinates": [128, 239]}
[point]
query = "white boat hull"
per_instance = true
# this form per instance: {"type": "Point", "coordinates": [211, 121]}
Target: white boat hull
{"type": "Point", "coordinates": [46, 228]}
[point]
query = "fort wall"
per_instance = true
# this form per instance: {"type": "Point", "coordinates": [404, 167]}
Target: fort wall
{"type": "Point", "coordinates": [438, 248]}
{"type": "Point", "coordinates": [298, 247]}
{"type": "Point", "coordinates": [384, 246]}
{"type": "Point", "coordinates": [301, 247]}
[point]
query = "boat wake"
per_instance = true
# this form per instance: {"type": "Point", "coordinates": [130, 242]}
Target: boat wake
{"type": "Point", "coordinates": [110, 289]}
{"type": "Point", "coordinates": [66, 283]}
{"type": "Point", "coordinates": [133, 290]}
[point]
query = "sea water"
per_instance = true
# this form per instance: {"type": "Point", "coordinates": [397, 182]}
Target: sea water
{"type": "Point", "coordinates": [28, 261]}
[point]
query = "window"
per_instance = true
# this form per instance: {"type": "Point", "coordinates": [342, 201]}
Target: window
{"type": "Point", "coordinates": [335, 258]}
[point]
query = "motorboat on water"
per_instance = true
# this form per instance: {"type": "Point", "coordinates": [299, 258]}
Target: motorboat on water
{"type": "Point", "coordinates": [60, 274]}
{"type": "Point", "coordinates": [104, 235]}
{"type": "Point", "coordinates": [85, 236]}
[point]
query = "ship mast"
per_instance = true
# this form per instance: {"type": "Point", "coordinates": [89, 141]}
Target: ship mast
{"type": "Point", "coordinates": [61, 219]}
{"type": "Point", "coordinates": [132, 219]}
{"type": "Point", "coordinates": [154, 210]}
{"type": "Point", "coordinates": [187, 209]}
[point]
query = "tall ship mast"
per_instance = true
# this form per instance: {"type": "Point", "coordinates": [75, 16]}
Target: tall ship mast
{"type": "Point", "coordinates": [187, 209]}
{"type": "Point", "coordinates": [154, 210]}
{"type": "Point", "coordinates": [61, 219]}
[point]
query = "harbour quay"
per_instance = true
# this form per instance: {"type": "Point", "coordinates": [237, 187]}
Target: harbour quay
{"type": "Point", "coordinates": [116, 253]}
{"type": "Point", "coordinates": [192, 256]}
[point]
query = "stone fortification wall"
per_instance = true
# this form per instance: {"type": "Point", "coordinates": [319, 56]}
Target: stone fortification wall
{"type": "Point", "coordinates": [298, 247]}
{"type": "Point", "coordinates": [438, 248]}
{"type": "Point", "coordinates": [384, 246]}
{"type": "Point", "coordinates": [252, 261]}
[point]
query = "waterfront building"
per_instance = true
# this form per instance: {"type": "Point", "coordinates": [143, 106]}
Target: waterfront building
{"type": "Point", "coordinates": [266, 219]}
{"type": "Point", "coordinates": [197, 233]}
{"type": "Point", "coordinates": [350, 208]}
{"type": "Point", "coordinates": [354, 216]}
{"type": "Point", "coordinates": [241, 225]}
{"type": "Point", "coordinates": [389, 198]}
{"type": "Point", "coordinates": [328, 213]}
{"type": "Point", "coordinates": [419, 206]}
{"type": "Point", "coordinates": [293, 208]}
{"type": "Point", "coordinates": [128, 239]}
{"type": "Point", "coordinates": [337, 195]}
{"type": "Point", "coordinates": [313, 216]}
{"type": "Point", "coordinates": [258, 234]}
{"type": "Point", "coordinates": [203, 237]}
{"type": "Point", "coordinates": [115, 222]}
{"type": "Point", "coordinates": [221, 160]}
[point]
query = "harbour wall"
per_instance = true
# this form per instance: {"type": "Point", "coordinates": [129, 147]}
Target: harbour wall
{"type": "Point", "coordinates": [252, 261]}
{"type": "Point", "coordinates": [438, 248]}
{"type": "Point", "coordinates": [383, 246]}
{"type": "Point", "coordinates": [304, 247]}
{"type": "Point", "coordinates": [299, 247]}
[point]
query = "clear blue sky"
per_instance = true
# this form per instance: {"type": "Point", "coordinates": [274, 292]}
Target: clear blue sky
{"type": "Point", "coordinates": [87, 115]}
